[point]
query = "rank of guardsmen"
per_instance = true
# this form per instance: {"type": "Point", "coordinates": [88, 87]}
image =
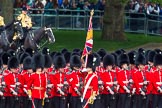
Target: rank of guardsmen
{"type": "Point", "coordinates": [65, 79]}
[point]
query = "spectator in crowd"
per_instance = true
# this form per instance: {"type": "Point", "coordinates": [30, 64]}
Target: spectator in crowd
{"type": "Point", "coordinates": [60, 2]}
{"type": "Point", "coordinates": [49, 5]}
{"type": "Point", "coordinates": [152, 12]}
{"type": "Point", "coordinates": [24, 4]}
{"type": "Point", "coordinates": [134, 14]}
{"type": "Point", "coordinates": [38, 5]}
{"type": "Point", "coordinates": [101, 5]}
{"type": "Point", "coordinates": [65, 5]}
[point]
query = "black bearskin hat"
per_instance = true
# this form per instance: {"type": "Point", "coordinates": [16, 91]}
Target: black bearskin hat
{"type": "Point", "coordinates": [13, 63]}
{"type": "Point", "coordinates": [116, 58]}
{"type": "Point", "coordinates": [28, 63]}
{"type": "Point", "coordinates": [75, 61]}
{"type": "Point", "coordinates": [140, 59]}
{"type": "Point", "coordinates": [157, 59]}
{"type": "Point", "coordinates": [23, 56]}
{"type": "Point", "coordinates": [67, 56]}
{"type": "Point", "coordinates": [119, 52]}
{"type": "Point", "coordinates": [77, 50]}
{"type": "Point", "coordinates": [38, 61]}
{"type": "Point", "coordinates": [30, 51]}
{"type": "Point", "coordinates": [48, 61]}
{"type": "Point", "coordinates": [45, 50]}
{"type": "Point", "coordinates": [5, 57]}
{"type": "Point", "coordinates": [98, 59]}
{"type": "Point", "coordinates": [123, 59]}
{"type": "Point", "coordinates": [108, 60]}
{"type": "Point", "coordinates": [132, 57]}
{"type": "Point", "coordinates": [102, 53]}
{"type": "Point", "coordinates": [158, 51]}
{"type": "Point", "coordinates": [141, 51]}
{"type": "Point", "coordinates": [151, 55]}
{"type": "Point", "coordinates": [12, 52]}
{"type": "Point", "coordinates": [64, 50]}
{"type": "Point", "coordinates": [92, 62]}
{"type": "Point", "coordinates": [59, 62]}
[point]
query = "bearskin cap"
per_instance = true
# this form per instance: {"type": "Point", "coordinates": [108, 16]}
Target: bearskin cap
{"type": "Point", "coordinates": [102, 53]}
{"type": "Point", "coordinates": [141, 51]}
{"type": "Point", "coordinates": [77, 50]}
{"type": "Point", "coordinates": [98, 60]}
{"type": "Point", "coordinates": [132, 57]}
{"type": "Point", "coordinates": [108, 60]}
{"type": "Point", "coordinates": [119, 52]}
{"type": "Point", "coordinates": [48, 61]}
{"type": "Point", "coordinates": [67, 56]}
{"type": "Point", "coordinates": [28, 63]}
{"type": "Point", "coordinates": [45, 50]}
{"type": "Point", "coordinates": [75, 61]}
{"type": "Point", "coordinates": [23, 56]}
{"type": "Point", "coordinates": [92, 62]}
{"type": "Point", "coordinates": [13, 62]}
{"type": "Point", "coordinates": [30, 51]}
{"type": "Point", "coordinates": [59, 62]}
{"type": "Point", "coordinates": [116, 58]}
{"type": "Point", "coordinates": [5, 57]}
{"type": "Point", "coordinates": [140, 59]}
{"type": "Point", "coordinates": [123, 59]}
{"type": "Point", "coordinates": [157, 59]}
{"type": "Point", "coordinates": [64, 50]}
{"type": "Point", "coordinates": [158, 51]}
{"type": "Point", "coordinates": [151, 55]}
{"type": "Point", "coordinates": [38, 61]}
{"type": "Point", "coordinates": [12, 52]}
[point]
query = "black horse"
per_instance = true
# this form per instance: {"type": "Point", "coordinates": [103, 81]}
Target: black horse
{"type": "Point", "coordinates": [35, 37]}
{"type": "Point", "coordinates": [12, 29]}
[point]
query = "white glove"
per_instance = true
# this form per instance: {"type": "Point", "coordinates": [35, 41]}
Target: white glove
{"type": "Point", "coordinates": [143, 93]}
{"type": "Point", "coordinates": [1, 93]}
{"type": "Point", "coordinates": [14, 93]}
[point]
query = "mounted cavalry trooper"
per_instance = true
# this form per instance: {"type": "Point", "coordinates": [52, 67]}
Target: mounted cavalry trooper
{"type": "Point", "coordinates": [26, 22]}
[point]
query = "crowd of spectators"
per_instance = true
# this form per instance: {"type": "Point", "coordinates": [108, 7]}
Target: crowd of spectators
{"type": "Point", "coordinates": [60, 4]}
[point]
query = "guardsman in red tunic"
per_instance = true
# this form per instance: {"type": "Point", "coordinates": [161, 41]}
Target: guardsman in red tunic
{"type": "Point", "coordinates": [49, 79]}
{"type": "Point", "coordinates": [14, 82]}
{"type": "Point", "coordinates": [143, 82]}
{"type": "Point", "coordinates": [157, 82]}
{"type": "Point", "coordinates": [90, 84]}
{"type": "Point", "coordinates": [75, 82]}
{"type": "Point", "coordinates": [4, 72]}
{"type": "Point", "coordinates": [61, 82]}
{"type": "Point", "coordinates": [37, 84]}
{"type": "Point", "coordinates": [26, 74]}
{"type": "Point", "coordinates": [67, 56]}
{"type": "Point", "coordinates": [150, 65]}
{"type": "Point", "coordinates": [125, 81]}
{"type": "Point", "coordinates": [110, 82]}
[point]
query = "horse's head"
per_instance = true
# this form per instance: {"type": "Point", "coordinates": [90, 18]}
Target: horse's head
{"type": "Point", "coordinates": [49, 34]}
{"type": "Point", "coordinates": [18, 29]}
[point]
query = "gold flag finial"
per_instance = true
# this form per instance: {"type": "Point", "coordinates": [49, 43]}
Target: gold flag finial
{"type": "Point", "coordinates": [92, 12]}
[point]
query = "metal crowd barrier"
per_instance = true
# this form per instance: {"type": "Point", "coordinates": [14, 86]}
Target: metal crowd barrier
{"type": "Point", "coordinates": [67, 19]}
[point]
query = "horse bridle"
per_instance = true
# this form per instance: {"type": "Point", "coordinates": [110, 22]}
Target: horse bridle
{"type": "Point", "coordinates": [46, 29]}
{"type": "Point", "coordinates": [18, 33]}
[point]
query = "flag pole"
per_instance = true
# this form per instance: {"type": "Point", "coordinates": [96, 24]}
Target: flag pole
{"type": "Point", "coordinates": [90, 24]}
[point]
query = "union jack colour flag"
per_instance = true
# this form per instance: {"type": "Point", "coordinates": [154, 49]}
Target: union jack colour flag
{"type": "Point", "coordinates": [89, 39]}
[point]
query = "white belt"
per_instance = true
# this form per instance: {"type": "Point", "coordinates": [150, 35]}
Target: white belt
{"type": "Point", "coordinates": [109, 82]}
{"type": "Point", "coordinates": [125, 82]}
{"type": "Point", "coordinates": [140, 83]}
{"type": "Point", "coordinates": [159, 83]}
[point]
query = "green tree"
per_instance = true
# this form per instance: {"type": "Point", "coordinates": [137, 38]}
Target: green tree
{"type": "Point", "coordinates": [113, 20]}
{"type": "Point", "coordinates": [7, 10]}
